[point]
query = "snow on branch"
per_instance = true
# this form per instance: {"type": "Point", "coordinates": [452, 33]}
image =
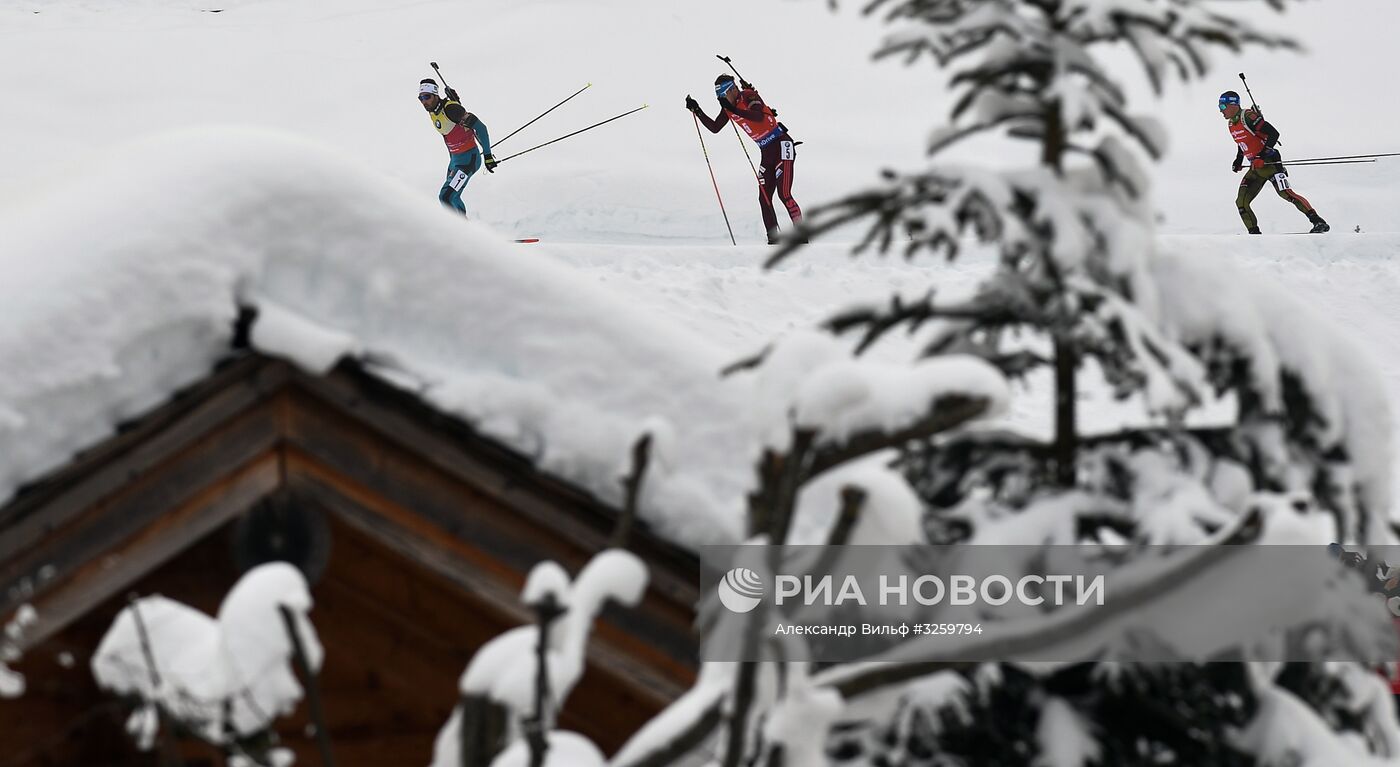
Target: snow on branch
{"type": "Point", "coordinates": [1315, 413]}
{"type": "Point", "coordinates": [516, 684]}
{"type": "Point", "coordinates": [225, 678]}
{"type": "Point", "coordinates": [563, 749]}
{"type": "Point", "coordinates": [1316, 602]}
{"type": "Point", "coordinates": [11, 681]}
{"type": "Point", "coordinates": [927, 210]}
{"type": "Point", "coordinates": [842, 408]}
{"type": "Point", "coordinates": [684, 725]}
{"type": "Point", "coordinates": [876, 321]}
{"type": "Point", "coordinates": [1139, 357]}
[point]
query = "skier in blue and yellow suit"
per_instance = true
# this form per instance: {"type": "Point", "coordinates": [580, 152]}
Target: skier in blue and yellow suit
{"type": "Point", "coordinates": [466, 138]}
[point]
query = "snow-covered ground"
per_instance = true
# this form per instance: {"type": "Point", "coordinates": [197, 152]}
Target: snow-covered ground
{"type": "Point", "coordinates": [1351, 281]}
{"type": "Point", "coordinates": [628, 207]}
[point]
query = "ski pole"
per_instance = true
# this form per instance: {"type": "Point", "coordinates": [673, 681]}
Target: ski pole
{"type": "Point", "coordinates": [745, 147]}
{"type": "Point", "coordinates": [706, 152]}
{"type": "Point", "coordinates": [547, 111]}
{"type": "Point", "coordinates": [726, 60]}
{"type": "Point", "coordinates": [1329, 162]}
{"type": "Point", "coordinates": [1343, 157]}
{"type": "Point", "coordinates": [575, 133]}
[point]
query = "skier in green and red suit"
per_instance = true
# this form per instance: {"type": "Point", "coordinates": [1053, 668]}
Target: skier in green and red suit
{"type": "Point", "coordinates": [745, 107]}
{"type": "Point", "coordinates": [1255, 139]}
{"type": "Point", "coordinates": [468, 143]}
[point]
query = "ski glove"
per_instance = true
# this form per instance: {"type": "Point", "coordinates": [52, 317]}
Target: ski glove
{"type": "Point", "coordinates": [1257, 163]}
{"type": "Point", "coordinates": [1239, 163]}
{"type": "Point", "coordinates": [452, 95]}
{"type": "Point", "coordinates": [491, 163]}
{"type": "Point", "coordinates": [692, 104]}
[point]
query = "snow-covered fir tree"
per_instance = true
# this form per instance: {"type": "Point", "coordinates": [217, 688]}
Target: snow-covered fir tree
{"type": "Point", "coordinates": [1081, 294]}
{"type": "Point", "coordinates": [858, 450]}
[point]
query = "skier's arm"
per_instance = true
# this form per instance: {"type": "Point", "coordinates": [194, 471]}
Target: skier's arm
{"type": "Point", "coordinates": [1269, 132]}
{"type": "Point", "coordinates": [1262, 128]}
{"type": "Point", "coordinates": [714, 124]}
{"type": "Point", "coordinates": [755, 110]}
{"type": "Point", "coordinates": [471, 123]}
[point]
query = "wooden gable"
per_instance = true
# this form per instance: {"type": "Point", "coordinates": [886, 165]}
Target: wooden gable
{"type": "Point", "coordinates": [423, 533]}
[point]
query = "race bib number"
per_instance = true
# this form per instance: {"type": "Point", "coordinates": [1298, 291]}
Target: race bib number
{"type": "Point", "coordinates": [789, 152]}
{"type": "Point", "coordinates": [459, 180]}
{"type": "Point", "coordinates": [1281, 181]}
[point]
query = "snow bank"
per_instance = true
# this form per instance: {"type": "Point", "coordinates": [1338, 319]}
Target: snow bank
{"type": "Point", "coordinates": [107, 320]}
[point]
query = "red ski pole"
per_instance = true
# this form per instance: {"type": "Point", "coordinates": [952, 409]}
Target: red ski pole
{"type": "Point", "coordinates": [706, 152]}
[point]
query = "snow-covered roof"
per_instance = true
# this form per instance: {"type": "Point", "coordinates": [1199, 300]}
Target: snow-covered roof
{"type": "Point", "coordinates": [115, 301]}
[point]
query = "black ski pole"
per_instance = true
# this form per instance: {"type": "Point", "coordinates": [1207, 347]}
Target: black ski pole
{"type": "Point", "coordinates": [706, 152]}
{"type": "Point", "coordinates": [726, 60]}
{"type": "Point", "coordinates": [547, 111]}
{"type": "Point", "coordinates": [1298, 164]}
{"type": "Point", "coordinates": [575, 133]}
{"type": "Point", "coordinates": [1343, 157]}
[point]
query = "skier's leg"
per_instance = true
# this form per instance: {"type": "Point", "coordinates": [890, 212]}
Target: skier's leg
{"type": "Point", "coordinates": [787, 159]}
{"type": "Point", "coordinates": [1289, 194]}
{"type": "Point", "coordinates": [459, 172]}
{"type": "Point", "coordinates": [450, 185]}
{"type": "Point", "coordinates": [767, 183]}
{"type": "Point", "coordinates": [1249, 189]}
{"type": "Point", "coordinates": [473, 164]}
{"type": "Point", "coordinates": [1285, 190]}
{"type": "Point", "coordinates": [451, 193]}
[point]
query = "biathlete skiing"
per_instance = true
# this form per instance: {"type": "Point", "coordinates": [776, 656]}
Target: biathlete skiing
{"type": "Point", "coordinates": [467, 141]}
{"type": "Point", "coordinates": [1255, 141]}
{"type": "Point", "coordinates": [741, 103]}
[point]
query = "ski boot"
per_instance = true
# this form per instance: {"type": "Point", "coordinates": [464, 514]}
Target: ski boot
{"type": "Point", "coordinates": [1319, 226]}
{"type": "Point", "coordinates": [1254, 230]}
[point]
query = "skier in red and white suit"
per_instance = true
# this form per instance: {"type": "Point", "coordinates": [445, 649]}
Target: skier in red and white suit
{"type": "Point", "coordinates": [746, 108]}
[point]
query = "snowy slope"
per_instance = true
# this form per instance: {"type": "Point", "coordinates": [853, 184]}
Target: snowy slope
{"type": "Point", "coordinates": [1349, 282]}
